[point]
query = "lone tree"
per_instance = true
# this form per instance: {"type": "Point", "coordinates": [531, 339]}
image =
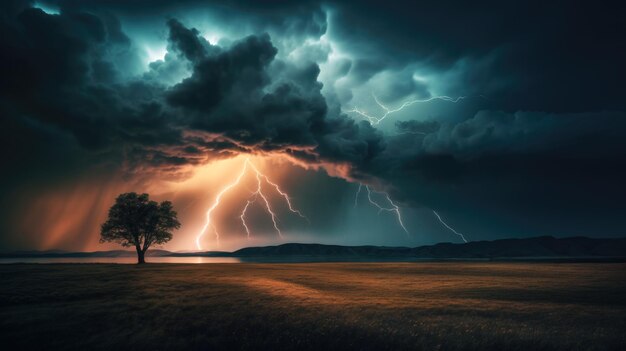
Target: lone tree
{"type": "Point", "coordinates": [136, 221]}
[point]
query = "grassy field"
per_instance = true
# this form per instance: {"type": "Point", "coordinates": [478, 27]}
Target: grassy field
{"type": "Point", "coordinates": [374, 306]}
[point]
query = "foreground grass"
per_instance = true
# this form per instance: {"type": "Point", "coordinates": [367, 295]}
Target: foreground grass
{"type": "Point", "coordinates": [375, 306]}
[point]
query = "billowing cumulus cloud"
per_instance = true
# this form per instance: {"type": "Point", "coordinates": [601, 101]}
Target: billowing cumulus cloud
{"type": "Point", "coordinates": [531, 129]}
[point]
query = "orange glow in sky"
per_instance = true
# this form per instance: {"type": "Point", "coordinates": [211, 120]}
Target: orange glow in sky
{"type": "Point", "coordinates": [69, 216]}
{"type": "Point", "coordinates": [227, 189]}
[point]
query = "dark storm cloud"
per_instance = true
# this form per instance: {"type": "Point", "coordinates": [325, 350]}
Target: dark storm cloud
{"type": "Point", "coordinates": [187, 41]}
{"type": "Point", "coordinates": [417, 127]}
{"type": "Point", "coordinates": [69, 103]}
{"type": "Point", "coordinates": [248, 97]}
{"type": "Point", "coordinates": [294, 20]}
{"type": "Point", "coordinates": [544, 172]}
{"type": "Point", "coordinates": [237, 73]}
{"type": "Point", "coordinates": [561, 56]}
{"type": "Point", "coordinates": [516, 135]}
{"type": "Point", "coordinates": [65, 108]}
{"type": "Point", "coordinates": [60, 72]}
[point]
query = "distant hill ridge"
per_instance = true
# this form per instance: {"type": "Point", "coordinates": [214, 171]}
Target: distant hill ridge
{"type": "Point", "coordinates": [544, 246]}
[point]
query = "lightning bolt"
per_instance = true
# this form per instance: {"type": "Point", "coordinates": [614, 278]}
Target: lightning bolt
{"type": "Point", "coordinates": [243, 217]}
{"type": "Point", "coordinates": [267, 204]}
{"type": "Point", "coordinates": [394, 208]}
{"type": "Point", "coordinates": [260, 179]}
{"type": "Point", "coordinates": [217, 203]}
{"type": "Point", "coordinates": [447, 226]}
{"type": "Point", "coordinates": [356, 197]}
{"type": "Point", "coordinates": [282, 193]}
{"type": "Point", "coordinates": [387, 111]}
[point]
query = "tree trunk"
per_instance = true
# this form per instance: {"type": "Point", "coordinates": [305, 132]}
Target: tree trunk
{"type": "Point", "coordinates": [141, 257]}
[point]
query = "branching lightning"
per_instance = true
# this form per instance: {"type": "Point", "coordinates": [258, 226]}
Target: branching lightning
{"type": "Point", "coordinates": [387, 111]}
{"type": "Point", "coordinates": [217, 203]}
{"type": "Point", "coordinates": [376, 120]}
{"type": "Point", "coordinates": [447, 226]}
{"type": "Point", "coordinates": [260, 180]}
{"type": "Point", "coordinates": [394, 208]}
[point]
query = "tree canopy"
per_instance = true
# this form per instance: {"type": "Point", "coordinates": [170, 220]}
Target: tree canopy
{"type": "Point", "coordinates": [136, 221]}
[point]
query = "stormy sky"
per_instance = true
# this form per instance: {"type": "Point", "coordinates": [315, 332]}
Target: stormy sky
{"type": "Point", "coordinates": [506, 118]}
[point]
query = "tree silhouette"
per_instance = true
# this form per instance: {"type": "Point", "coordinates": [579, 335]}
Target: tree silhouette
{"type": "Point", "coordinates": [135, 220]}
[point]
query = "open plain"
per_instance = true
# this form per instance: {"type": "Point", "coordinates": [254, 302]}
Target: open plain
{"type": "Point", "coordinates": [369, 306]}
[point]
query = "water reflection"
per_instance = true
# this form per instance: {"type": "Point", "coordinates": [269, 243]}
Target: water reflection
{"type": "Point", "coordinates": [121, 260]}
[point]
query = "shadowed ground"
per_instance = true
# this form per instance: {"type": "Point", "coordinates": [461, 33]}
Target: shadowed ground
{"type": "Point", "coordinates": [449, 306]}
